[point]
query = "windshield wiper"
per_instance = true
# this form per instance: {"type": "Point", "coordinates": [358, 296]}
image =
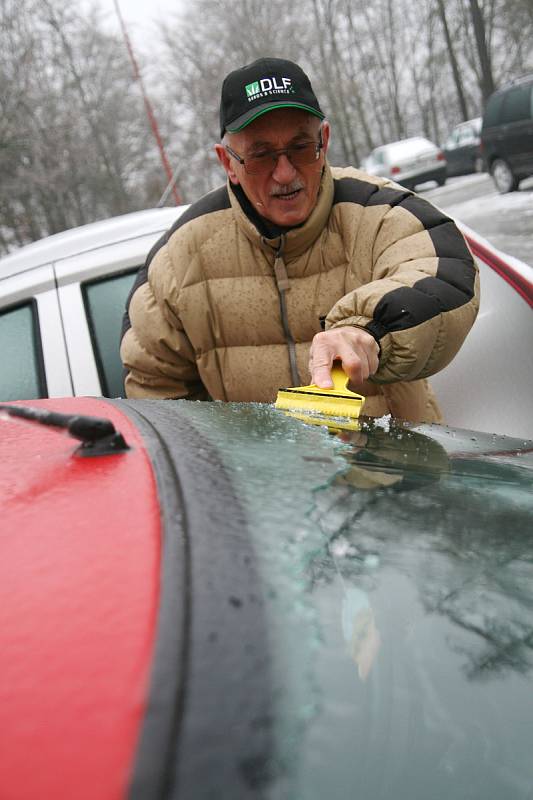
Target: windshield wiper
{"type": "Point", "coordinates": [98, 435]}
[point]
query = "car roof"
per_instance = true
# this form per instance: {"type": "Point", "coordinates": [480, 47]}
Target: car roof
{"type": "Point", "coordinates": [411, 140]}
{"type": "Point", "coordinates": [475, 121]}
{"type": "Point", "coordinates": [524, 79]}
{"type": "Point", "coordinates": [89, 237]}
{"type": "Point", "coordinates": [404, 147]}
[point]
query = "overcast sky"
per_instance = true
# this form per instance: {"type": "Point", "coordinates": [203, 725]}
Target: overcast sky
{"type": "Point", "coordinates": [138, 15]}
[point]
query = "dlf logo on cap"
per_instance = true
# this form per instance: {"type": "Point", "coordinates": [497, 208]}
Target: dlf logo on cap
{"type": "Point", "coordinates": [268, 85]}
{"type": "Point", "coordinates": [264, 85]}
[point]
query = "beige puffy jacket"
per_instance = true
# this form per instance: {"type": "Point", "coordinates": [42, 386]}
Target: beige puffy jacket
{"type": "Point", "coordinates": [219, 307]}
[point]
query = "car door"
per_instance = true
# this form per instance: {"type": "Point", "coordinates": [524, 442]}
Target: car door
{"type": "Point", "coordinates": [93, 287]}
{"type": "Point", "coordinates": [34, 357]}
{"type": "Point", "coordinates": [452, 153]}
{"type": "Point", "coordinates": [517, 118]}
{"type": "Point", "coordinates": [466, 148]}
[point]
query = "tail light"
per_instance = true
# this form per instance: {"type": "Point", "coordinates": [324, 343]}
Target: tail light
{"type": "Point", "coordinates": [440, 156]}
{"type": "Point", "coordinates": [394, 170]}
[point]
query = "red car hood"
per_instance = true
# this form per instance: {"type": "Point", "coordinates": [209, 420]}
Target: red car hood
{"type": "Point", "coordinates": [74, 678]}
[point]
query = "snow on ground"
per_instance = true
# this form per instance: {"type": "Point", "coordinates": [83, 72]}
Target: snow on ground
{"type": "Point", "coordinates": [507, 223]}
{"type": "Point", "coordinates": [505, 220]}
{"type": "Point", "coordinates": [507, 204]}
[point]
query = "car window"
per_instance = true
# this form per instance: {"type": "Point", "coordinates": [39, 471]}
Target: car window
{"type": "Point", "coordinates": [517, 104]}
{"type": "Point", "coordinates": [492, 112]}
{"type": "Point", "coordinates": [105, 301]}
{"type": "Point", "coordinates": [451, 141]}
{"type": "Point", "coordinates": [22, 373]}
{"type": "Point", "coordinates": [466, 136]}
{"type": "Point", "coordinates": [378, 157]}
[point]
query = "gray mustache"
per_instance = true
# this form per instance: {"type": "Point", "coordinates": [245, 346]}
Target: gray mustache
{"type": "Point", "coordinates": [289, 189]}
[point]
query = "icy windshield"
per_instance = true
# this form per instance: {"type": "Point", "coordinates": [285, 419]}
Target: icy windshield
{"type": "Point", "coordinates": [396, 573]}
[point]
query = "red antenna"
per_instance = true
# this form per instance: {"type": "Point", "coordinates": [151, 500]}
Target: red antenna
{"type": "Point", "coordinates": [149, 111]}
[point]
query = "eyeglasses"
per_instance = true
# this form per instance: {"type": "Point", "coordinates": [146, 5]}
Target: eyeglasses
{"type": "Point", "coordinates": [298, 154]}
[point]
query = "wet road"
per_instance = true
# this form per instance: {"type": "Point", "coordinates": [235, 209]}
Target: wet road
{"type": "Point", "coordinates": [506, 221]}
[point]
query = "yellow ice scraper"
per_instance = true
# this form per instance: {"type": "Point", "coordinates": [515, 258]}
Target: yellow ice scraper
{"type": "Point", "coordinates": [336, 402]}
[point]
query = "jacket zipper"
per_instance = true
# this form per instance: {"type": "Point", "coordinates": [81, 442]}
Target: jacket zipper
{"type": "Point", "coordinates": [283, 284]}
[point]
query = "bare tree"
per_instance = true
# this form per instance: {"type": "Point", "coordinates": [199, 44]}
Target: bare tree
{"type": "Point", "coordinates": [453, 61]}
{"type": "Point", "coordinates": [75, 144]}
{"type": "Point", "coordinates": [487, 81]}
{"type": "Point", "coordinates": [384, 36]}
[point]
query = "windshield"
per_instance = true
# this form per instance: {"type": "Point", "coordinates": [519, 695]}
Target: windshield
{"type": "Point", "coordinates": [396, 571]}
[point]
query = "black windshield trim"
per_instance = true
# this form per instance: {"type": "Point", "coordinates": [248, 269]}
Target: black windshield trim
{"type": "Point", "coordinates": [210, 685]}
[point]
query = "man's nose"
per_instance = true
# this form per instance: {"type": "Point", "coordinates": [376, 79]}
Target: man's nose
{"type": "Point", "coordinates": [284, 171]}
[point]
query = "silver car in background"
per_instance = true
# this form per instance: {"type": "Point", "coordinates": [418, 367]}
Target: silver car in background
{"type": "Point", "coordinates": [408, 162]}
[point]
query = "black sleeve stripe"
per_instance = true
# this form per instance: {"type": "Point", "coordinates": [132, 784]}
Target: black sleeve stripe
{"type": "Point", "coordinates": [404, 308]}
{"type": "Point", "coordinates": [364, 193]}
{"type": "Point", "coordinates": [351, 190]}
{"type": "Point", "coordinates": [407, 307]}
{"type": "Point", "coordinates": [449, 242]}
{"type": "Point", "coordinates": [452, 286]}
{"type": "Point", "coordinates": [386, 196]}
{"type": "Point", "coordinates": [459, 273]}
{"type": "Point", "coordinates": [428, 215]}
{"type": "Point", "coordinates": [454, 282]}
{"type": "Point", "coordinates": [217, 200]}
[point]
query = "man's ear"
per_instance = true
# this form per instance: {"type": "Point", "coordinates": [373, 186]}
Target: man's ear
{"type": "Point", "coordinates": [227, 163]}
{"type": "Point", "coordinates": [325, 135]}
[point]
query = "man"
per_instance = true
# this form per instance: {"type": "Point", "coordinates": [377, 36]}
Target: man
{"type": "Point", "coordinates": [232, 300]}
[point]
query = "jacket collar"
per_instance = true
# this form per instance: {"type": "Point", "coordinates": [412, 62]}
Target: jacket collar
{"type": "Point", "coordinates": [297, 240]}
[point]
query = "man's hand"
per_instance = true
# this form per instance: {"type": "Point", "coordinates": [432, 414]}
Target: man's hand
{"type": "Point", "coordinates": [357, 349]}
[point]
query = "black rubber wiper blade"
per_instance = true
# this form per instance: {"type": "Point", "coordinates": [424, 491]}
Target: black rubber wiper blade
{"type": "Point", "coordinates": [98, 434]}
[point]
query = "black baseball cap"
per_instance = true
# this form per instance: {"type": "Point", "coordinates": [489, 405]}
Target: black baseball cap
{"type": "Point", "coordinates": [262, 86]}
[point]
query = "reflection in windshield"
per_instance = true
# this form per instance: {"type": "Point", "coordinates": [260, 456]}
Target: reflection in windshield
{"type": "Point", "coordinates": [438, 554]}
{"type": "Point", "coordinates": [397, 576]}
{"type": "Point", "coordinates": [359, 629]}
{"type": "Point", "coordinates": [476, 572]}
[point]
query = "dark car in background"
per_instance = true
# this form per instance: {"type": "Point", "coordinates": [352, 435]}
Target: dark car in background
{"type": "Point", "coordinates": [507, 134]}
{"type": "Point", "coordinates": [462, 148]}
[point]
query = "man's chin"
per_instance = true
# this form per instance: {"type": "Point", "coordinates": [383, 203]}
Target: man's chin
{"type": "Point", "coordinates": [287, 212]}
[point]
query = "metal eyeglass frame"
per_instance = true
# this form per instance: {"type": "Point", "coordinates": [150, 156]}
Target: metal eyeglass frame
{"type": "Point", "coordinates": [275, 154]}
